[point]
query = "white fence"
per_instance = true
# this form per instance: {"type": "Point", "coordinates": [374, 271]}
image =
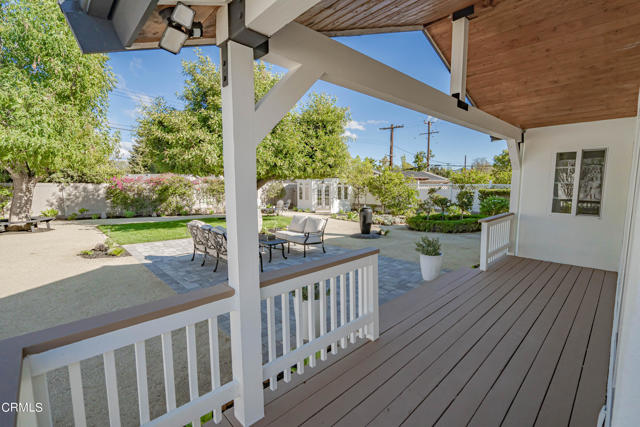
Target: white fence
{"type": "Point", "coordinates": [496, 239]}
{"type": "Point", "coordinates": [69, 199]}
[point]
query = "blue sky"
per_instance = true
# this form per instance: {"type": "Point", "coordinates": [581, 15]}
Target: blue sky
{"type": "Point", "coordinates": [143, 75]}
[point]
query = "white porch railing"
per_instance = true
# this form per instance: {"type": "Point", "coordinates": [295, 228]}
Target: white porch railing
{"type": "Point", "coordinates": [496, 240]}
{"type": "Point", "coordinates": [341, 303]}
{"type": "Point", "coordinates": [347, 308]}
{"type": "Point", "coordinates": [35, 368]}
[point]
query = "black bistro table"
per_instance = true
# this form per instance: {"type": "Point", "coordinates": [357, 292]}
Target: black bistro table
{"type": "Point", "coordinates": [265, 243]}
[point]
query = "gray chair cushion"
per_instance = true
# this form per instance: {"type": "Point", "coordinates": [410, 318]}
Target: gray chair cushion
{"type": "Point", "coordinates": [298, 223]}
{"type": "Point", "coordinates": [314, 224]}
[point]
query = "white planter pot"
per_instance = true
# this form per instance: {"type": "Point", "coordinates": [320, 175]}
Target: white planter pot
{"type": "Point", "coordinates": [305, 318]}
{"type": "Point", "coordinates": [430, 266]}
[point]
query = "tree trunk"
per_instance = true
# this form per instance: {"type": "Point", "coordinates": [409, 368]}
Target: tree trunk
{"type": "Point", "coordinates": [23, 186]}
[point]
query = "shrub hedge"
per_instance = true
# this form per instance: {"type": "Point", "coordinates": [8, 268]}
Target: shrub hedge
{"type": "Point", "coordinates": [484, 193]}
{"type": "Point", "coordinates": [451, 224]}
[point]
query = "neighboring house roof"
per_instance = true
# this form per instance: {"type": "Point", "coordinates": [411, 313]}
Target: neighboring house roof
{"type": "Point", "coordinates": [423, 176]}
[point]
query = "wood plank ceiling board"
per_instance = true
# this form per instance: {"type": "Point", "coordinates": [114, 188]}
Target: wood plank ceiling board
{"type": "Point", "coordinates": [350, 15]}
{"type": "Point", "coordinates": [539, 63]}
{"type": "Point", "coordinates": [155, 25]}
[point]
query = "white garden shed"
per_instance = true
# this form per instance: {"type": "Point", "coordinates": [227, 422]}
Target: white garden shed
{"type": "Point", "coordinates": [328, 195]}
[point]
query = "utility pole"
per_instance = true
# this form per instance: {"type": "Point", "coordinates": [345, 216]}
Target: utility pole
{"type": "Point", "coordinates": [391, 128]}
{"type": "Point", "coordinates": [429, 132]}
{"type": "Point", "coordinates": [465, 162]}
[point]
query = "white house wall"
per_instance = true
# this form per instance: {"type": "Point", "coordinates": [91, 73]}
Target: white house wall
{"type": "Point", "coordinates": [578, 240]}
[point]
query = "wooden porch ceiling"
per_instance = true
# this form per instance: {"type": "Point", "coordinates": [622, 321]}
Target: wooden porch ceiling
{"type": "Point", "coordinates": [531, 63]}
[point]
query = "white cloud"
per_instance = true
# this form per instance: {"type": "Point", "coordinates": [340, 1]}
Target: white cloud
{"type": "Point", "coordinates": [377, 122]}
{"type": "Point", "coordinates": [432, 119]}
{"type": "Point", "coordinates": [125, 149]}
{"type": "Point", "coordinates": [135, 64]}
{"type": "Point", "coordinates": [350, 135]}
{"type": "Point", "coordinates": [352, 124]}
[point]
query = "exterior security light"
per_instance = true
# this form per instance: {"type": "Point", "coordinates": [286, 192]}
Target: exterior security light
{"type": "Point", "coordinates": [173, 39]}
{"type": "Point", "coordinates": [182, 15]}
{"type": "Point", "coordinates": [196, 30]}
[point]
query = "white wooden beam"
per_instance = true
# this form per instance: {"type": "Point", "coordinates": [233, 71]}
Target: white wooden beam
{"type": "Point", "coordinates": [282, 98]}
{"type": "Point", "coordinates": [459, 45]}
{"type": "Point", "coordinates": [129, 17]}
{"type": "Point", "coordinates": [514, 153]}
{"type": "Point", "coordinates": [239, 150]}
{"type": "Point", "coordinates": [268, 16]}
{"type": "Point", "coordinates": [348, 68]}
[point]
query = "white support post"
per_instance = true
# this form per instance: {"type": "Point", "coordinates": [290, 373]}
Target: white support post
{"type": "Point", "coordinates": [26, 396]}
{"type": "Point", "coordinates": [484, 246]}
{"type": "Point", "coordinates": [514, 196]}
{"type": "Point", "coordinates": [238, 109]}
{"type": "Point", "coordinates": [371, 280]}
{"type": "Point", "coordinates": [459, 44]}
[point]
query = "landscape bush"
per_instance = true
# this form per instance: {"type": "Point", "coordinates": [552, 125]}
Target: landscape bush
{"type": "Point", "coordinates": [484, 193]}
{"type": "Point", "coordinates": [494, 206]}
{"type": "Point", "coordinates": [174, 196]}
{"type": "Point", "coordinates": [434, 223]}
{"type": "Point", "coordinates": [5, 197]}
{"type": "Point", "coordinates": [163, 195]}
{"type": "Point", "coordinates": [49, 212]}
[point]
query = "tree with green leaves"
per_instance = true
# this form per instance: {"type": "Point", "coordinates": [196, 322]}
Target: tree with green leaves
{"type": "Point", "coordinates": [502, 168]}
{"type": "Point", "coordinates": [306, 143]}
{"type": "Point", "coordinates": [464, 199]}
{"type": "Point", "coordinates": [395, 191]}
{"type": "Point", "coordinates": [53, 102]}
{"type": "Point", "coordinates": [357, 176]}
{"type": "Point", "coordinates": [470, 176]}
{"type": "Point", "coordinates": [420, 160]}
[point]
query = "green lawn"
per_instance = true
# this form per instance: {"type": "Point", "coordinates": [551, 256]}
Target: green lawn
{"type": "Point", "coordinates": [126, 234]}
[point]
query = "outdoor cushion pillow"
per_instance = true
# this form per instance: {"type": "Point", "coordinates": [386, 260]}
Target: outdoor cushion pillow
{"type": "Point", "coordinates": [314, 224]}
{"type": "Point", "coordinates": [298, 223]}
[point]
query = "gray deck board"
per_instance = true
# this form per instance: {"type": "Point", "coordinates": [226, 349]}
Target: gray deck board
{"type": "Point", "coordinates": [525, 343]}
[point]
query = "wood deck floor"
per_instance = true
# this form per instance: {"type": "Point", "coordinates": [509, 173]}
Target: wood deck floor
{"type": "Point", "coordinates": [525, 343]}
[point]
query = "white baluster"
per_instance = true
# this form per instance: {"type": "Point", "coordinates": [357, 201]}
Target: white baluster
{"type": "Point", "coordinates": [192, 367]}
{"type": "Point", "coordinates": [286, 333]}
{"type": "Point", "coordinates": [352, 300]}
{"type": "Point", "coordinates": [311, 300]}
{"type": "Point", "coordinates": [343, 307]}
{"type": "Point", "coordinates": [77, 395]}
{"type": "Point", "coordinates": [334, 312]}
{"type": "Point", "coordinates": [372, 282]}
{"type": "Point", "coordinates": [360, 305]}
{"type": "Point", "coordinates": [41, 395]}
{"type": "Point", "coordinates": [112, 388]}
{"type": "Point", "coordinates": [323, 315]}
{"type": "Point", "coordinates": [214, 360]}
{"type": "Point", "coordinates": [298, 315]}
{"type": "Point", "coordinates": [167, 367]}
{"type": "Point", "coordinates": [271, 338]}
{"type": "Point", "coordinates": [141, 377]}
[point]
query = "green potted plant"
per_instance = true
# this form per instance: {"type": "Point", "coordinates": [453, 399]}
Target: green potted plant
{"type": "Point", "coordinates": [430, 257]}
